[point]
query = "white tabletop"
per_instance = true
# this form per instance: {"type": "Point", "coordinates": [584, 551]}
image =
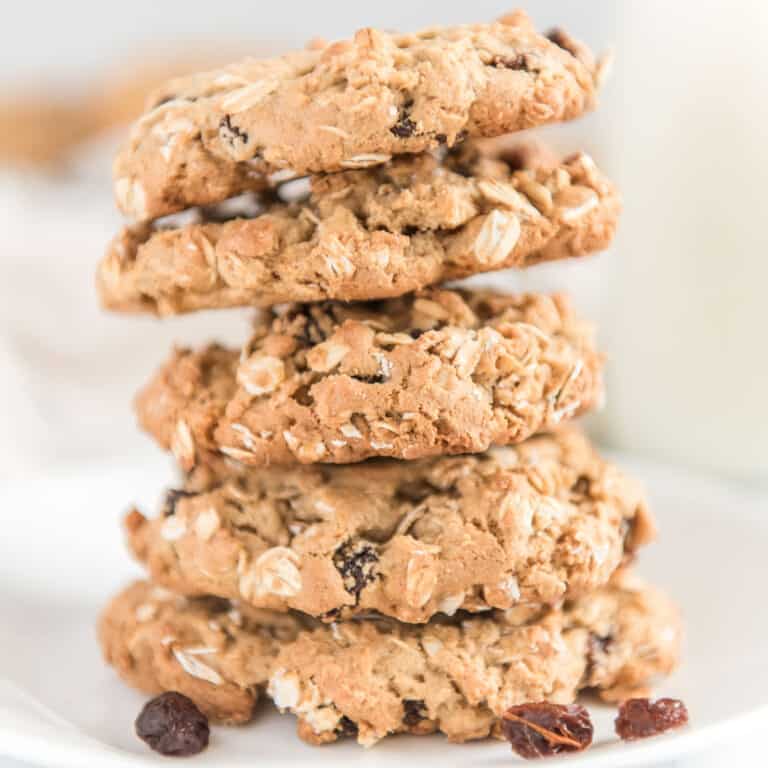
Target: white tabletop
{"type": "Point", "coordinates": [748, 753]}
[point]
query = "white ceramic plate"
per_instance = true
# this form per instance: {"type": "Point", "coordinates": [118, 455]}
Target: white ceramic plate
{"type": "Point", "coordinates": [61, 556]}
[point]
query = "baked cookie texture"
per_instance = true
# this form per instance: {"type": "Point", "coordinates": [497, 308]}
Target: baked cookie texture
{"type": "Point", "coordinates": [433, 373]}
{"type": "Point", "coordinates": [351, 104]}
{"type": "Point", "coordinates": [368, 234]}
{"type": "Point", "coordinates": [206, 648]}
{"type": "Point", "coordinates": [375, 677]}
{"type": "Point", "coordinates": [525, 525]}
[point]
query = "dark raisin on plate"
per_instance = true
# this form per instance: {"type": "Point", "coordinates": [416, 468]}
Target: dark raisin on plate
{"type": "Point", "coordinates": [414, 711]}
{"type": "Point", "coordinates": [173, 725]}
{"type": "Point", "coordinates": [541, 729]}
{"type": "Point", "coordinates": [641, 718]}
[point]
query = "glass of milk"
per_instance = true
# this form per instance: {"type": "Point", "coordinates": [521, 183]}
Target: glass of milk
{"type": "Point", "coordinates": [680, 300]}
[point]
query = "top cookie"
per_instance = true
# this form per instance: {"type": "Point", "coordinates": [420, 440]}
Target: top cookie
{"type": "Point", "coordinates": [351, 104]}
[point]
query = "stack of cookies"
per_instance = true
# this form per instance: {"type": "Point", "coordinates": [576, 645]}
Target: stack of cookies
{"type": "Point", "coordinates": [385, 522]}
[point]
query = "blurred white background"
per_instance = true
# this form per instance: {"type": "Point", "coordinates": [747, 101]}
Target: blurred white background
{"type": "Point", "coordinates": [679, 300]}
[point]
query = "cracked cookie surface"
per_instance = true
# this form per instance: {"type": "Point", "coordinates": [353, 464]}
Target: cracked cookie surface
{"type": "Point", "coordinates": [373, 677]}
{"type": "Point", "coordinates": [433, 373]}
{"type": "Point", "coordinates": [369, 234]}
{"type": "Point", "coordinates": [524, 525]}
{"type": "Point", "coordinates": [350, 104]}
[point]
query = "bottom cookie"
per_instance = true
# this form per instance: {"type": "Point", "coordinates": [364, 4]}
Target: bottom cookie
{"type": "Point", "coordinates": [371, 677]}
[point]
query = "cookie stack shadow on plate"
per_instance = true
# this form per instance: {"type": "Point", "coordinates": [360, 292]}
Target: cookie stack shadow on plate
{"type": "Point", "coordinates": [385, 522]}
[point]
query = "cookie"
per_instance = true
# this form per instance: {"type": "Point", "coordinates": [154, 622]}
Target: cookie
{"type": "Point", "coordinates": [432, 373]}
{"type": "Point", "coordinates": [159, 642]}
{"type": "Point", "coordinates": [525, 525]}
{"type": "Point", "coordinates": [378, 678]}
{"type": "Point", "coordinates": [367, 234]}
{"type": "Point", "coordinates": [373, 677]}
{"type": "Point", "coordinates": [351, 104]}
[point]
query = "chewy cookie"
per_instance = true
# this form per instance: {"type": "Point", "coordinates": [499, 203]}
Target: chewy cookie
{"type": "Point", "coordinates": [374, 677]}
{"type": "Point", "coordinates": [351, 104]}
{"type": "Point", "coordinates": [526, 525]}
{"type": "Point", "coordinates": [160, 642]}
{"type": "Point", "coordinates": [438, 372]}
{"type": "Point", "coordinates": [368, 234]}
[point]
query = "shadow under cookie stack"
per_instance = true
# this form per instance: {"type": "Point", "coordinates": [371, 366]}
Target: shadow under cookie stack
{"type": "Point", "coordinates": [386, 523]}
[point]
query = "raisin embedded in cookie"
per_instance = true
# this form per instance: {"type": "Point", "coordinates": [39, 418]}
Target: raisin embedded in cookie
{"type": "Point", "coordinates": [374, 677]}
{"type": "Point", "coordinates": [368, 234]}
{"type": "Point", "coordinates": [351, 104]}
{"type": "Point", "coordinates": [432, 373]}
{"type": "Point", "coordinates": [531, 524]}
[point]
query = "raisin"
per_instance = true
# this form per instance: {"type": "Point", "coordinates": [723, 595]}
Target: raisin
{"type": "Point", "coordinates": [173, 725]}
{"type": "Point", "coordinates": [356, 564]}
{"type": "Point", "coordinates": [414, 333]}
{"type": "Point", "coordinates": [414, 491]}
{"type": "Point", "coordinates": [172, 497]}
{"type": "Point", "coordinates": [404, 128]}
{"type": "Point", "coordinates": [303, 396]}
{"type": "Point", "coordinates": [308, 319]}
{"type": "Point", "coordinates": [231, 133]}
{"type": "Point", "coordinates": [346, 727]}
{"type": "Point", "coordinates": [413, 711]}
{"type": "Point", "coordinates": [213, 604]}
{"type": "Point", "coordinates": [463, 169]}
{"type": "Point", "coordinates": [519, 62]}
{"type": "Point", "coordinates": [641, 718]}
{"type": "Point", "coordinates": [374, 378]}
{"type": "Point", "coordinates": [441, 138]}
{"type": "Point", "coordinates": [542, 729]}
{"type": "Point", "coordinates": [582, 486]}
